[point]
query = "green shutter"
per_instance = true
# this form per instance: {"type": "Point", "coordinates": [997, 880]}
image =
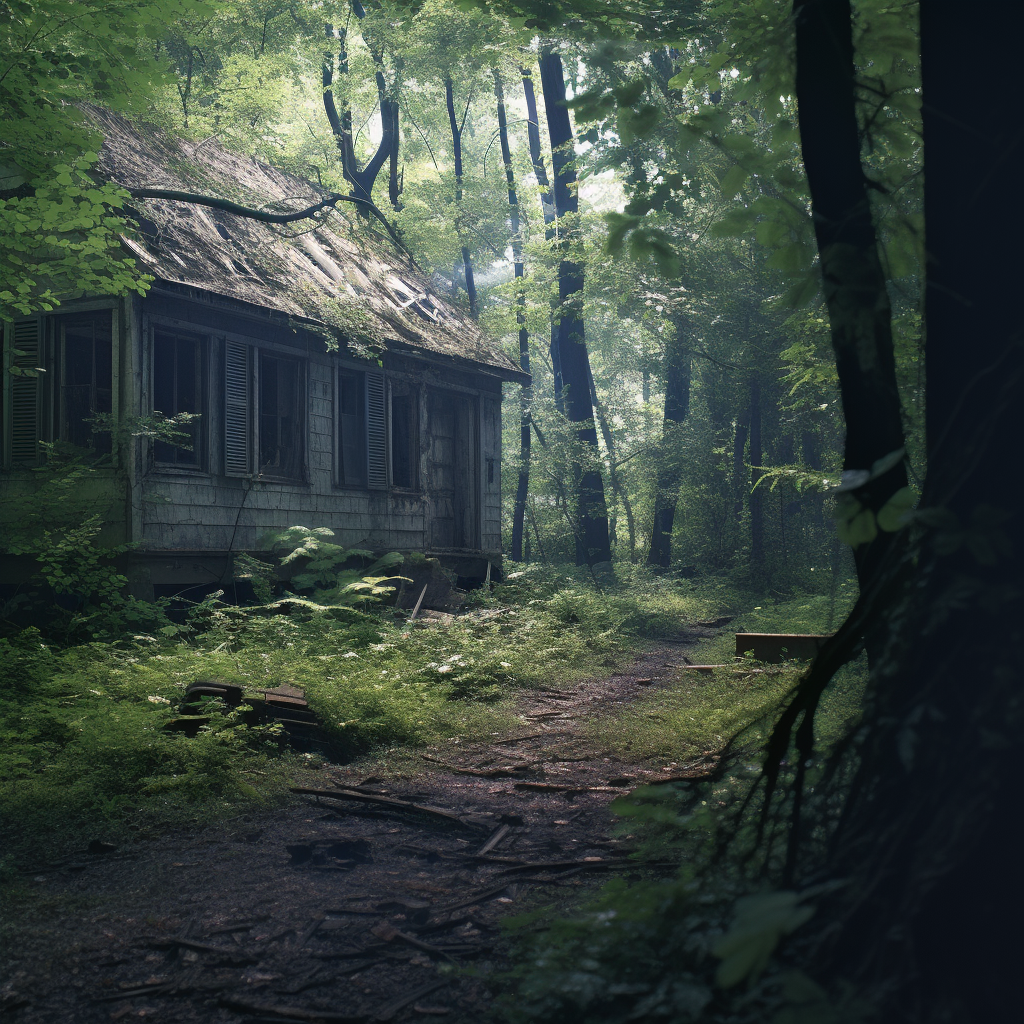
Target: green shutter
{"type": "Point", "coordinates": [238, 439]}
{"type": "Point", "coordinates": [26, 391]}
{"type": "Point", "coordinates": [376, 433]}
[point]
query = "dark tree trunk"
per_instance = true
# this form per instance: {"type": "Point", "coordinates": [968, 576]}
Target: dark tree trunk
{"type": "Point", "coordinates": [573, 362]}
{"type": "Point", "coordinates": [362, 181]}
{"type": "Point", "coordinates": [547, 203]}
{"type": "Point", "coordinates": [456, 127]}
{"type": "Point", "coordinates": [854, 284]}
{"type": "Point", "coordinates": [756, 498]}
{"type": "Point", "coordinates": [526, 394]}
{"type": "Point", "coordinates": [936, 854]}
{"type": "Point", "coordinates": [739, 447]}
{"type": "Point", "coordinates": [677, 406]}
{"type": "Point", "coordinates": [812, 460]}
{"type": "Point", "coordinates": [927, 924]}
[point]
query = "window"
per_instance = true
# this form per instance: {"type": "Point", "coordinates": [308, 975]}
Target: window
{"type": "Point", "coordinates": [85, 377]}
{"type": "Point", "coordinates": [362, 438]}
{"type": "Point", "coordinates": [352, 429]}
{"type": "Point", "coordinates": [281, 417]}
{"type": "Point", "coordinates": [264, 413]}
{"type": "Point", "coordinates": [179, 386]}
{"type": "Point", "coordinates": [404, 436]}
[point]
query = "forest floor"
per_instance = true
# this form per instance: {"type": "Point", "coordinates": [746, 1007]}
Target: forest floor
{"type": "Point", "coordinates": [348, 907]}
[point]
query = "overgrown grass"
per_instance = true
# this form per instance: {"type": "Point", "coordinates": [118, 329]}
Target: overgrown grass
{"type": "Point", "coordinates": [84, 752]}
{"type": "Point", "coordinates": [697, 713]}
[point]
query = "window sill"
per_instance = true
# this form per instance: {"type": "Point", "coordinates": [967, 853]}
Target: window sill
{"type": "Point", "coordinates": [166, 469]}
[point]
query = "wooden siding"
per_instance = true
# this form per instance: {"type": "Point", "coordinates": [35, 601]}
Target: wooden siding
{"type": "Point", "coordinates": [192, 511]}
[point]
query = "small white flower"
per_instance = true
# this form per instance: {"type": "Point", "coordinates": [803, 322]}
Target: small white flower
{"type": "Point", "coordinates": [505, 664]}
{"type": "Point", "coordinates": [350, 654]}
{"type": "Point", "coordinates": [445, 669]}
{"type": "Point", "coordinates": [155, 700]}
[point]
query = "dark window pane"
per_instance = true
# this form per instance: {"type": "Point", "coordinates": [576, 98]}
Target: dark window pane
{"type": "Point", "coordinates": [187, 384]}
{"type": "Point", "coordinates": [281, 419]}
{"type": "Point", "coordinates": [352, 429]}
{"type": "Point", "coordinates": [87, 378]}
{"type": "Point", "coordinates": [177, 388]}
{"type": "Point", "coordinates": [403, 440]}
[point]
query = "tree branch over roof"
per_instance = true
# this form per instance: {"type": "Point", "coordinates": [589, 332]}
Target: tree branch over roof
{"type": "Point", "coordinates": [197, 199]}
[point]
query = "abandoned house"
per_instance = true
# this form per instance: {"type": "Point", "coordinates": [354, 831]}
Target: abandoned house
{"type": "Point", "coordinates": [333, 386]}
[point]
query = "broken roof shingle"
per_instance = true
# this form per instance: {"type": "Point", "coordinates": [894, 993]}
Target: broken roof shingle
{"type": "Point", "coordinates": [334, 273]}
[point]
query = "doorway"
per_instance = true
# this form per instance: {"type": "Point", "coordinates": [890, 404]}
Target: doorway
{"type": "Point", "coordinates": [453, 471]}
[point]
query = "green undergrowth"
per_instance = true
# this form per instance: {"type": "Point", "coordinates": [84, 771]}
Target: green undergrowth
{"type": "Point", "coordinates": [705, 940]}
{"type": "Point", "coordinates": [693, 713]}
{"type": "Point", "coordinates": [84, 749]}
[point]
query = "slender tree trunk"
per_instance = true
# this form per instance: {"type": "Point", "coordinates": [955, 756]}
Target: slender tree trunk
{"type": "Point", "coordinates": [854, 284]}
{"type": "Point", "coordinates": [677, 406]}
{"type": "Point", "coordinates": [756, 497]}
{"type": "Point", "coordinates": [547, 203]}
{"type": "Point", "coordinates": [739, 447]}
{"type": "Point", "coordinates": [573, 360]}
{"type": "Point", "coordinates": [613, 473]}
{"type": "Point", "coordinates": [467, 257]}
{"type": "Point", "coordinates": [526, 393]}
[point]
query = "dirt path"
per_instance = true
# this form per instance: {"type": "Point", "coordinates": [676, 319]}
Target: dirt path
{"type": "Point", "coordinates": [345, 908]}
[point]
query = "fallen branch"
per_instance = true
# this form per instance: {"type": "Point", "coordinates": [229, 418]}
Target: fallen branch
{"type": "Point", "coordinates": [557, 787]}
{"type": "Point", "coordinates": [494, 840]}
{"type": "Point", "coordinates": [292, 1012]}
{"type": "Point", "coordinates": [202, 947]}
{"type": "Point", "coordinates": [388, 933]}
{"type": "Point", "coordinates": [386, 801]}
{"type": "Point", "coordinates": [388, 1010]}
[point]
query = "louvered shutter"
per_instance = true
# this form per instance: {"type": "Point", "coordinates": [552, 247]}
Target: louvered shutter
{"type": "Point", "coordinates": [25, 392]}
{"type": "Point", "coordinates": [376, 433]}
{"type": "Point", "coordinates": [238, 440]}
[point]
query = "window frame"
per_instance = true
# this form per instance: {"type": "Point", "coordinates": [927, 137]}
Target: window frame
{"type": "Point", "coordinates": [239, 393]}
{"type": "Point", "coordinates": [262, 352]}
{"type": "Point", "coordinates": [412, 392]}
{"type": "Point", "coordinates": [57, 421]}
{"type": "Point", "coordinates": [375, 438]}
{"type": "Point", "coordinates": [201, 447]}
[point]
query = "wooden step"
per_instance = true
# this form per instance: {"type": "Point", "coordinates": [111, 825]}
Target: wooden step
{"type": "Point", "coordinates": [775, 648]}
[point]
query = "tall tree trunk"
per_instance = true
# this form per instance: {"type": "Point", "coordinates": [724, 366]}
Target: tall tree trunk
{"type": "Point", "coordinates": [677, 406]}
{"type": "Point", "coordinates": [362, 181]}
{"type": "Point", "coordinates": [547, 204]}
{"type": "Point", "coordinates": [927, 924]}
{"type": "Point", "coordinates": [573, 360]}
{"type": "Point", "coordinates": [756, 498]}
{"type": "Point", "coordinates": [618, 489]}
{"type": "Point", "coordinates": [739, 447]}
{"type": "Point", "coordinates": [526, 393]}
{"type": "Point", "coordinates": [456, 127]}
{"type": "Point", "coordinates": [854, 284]}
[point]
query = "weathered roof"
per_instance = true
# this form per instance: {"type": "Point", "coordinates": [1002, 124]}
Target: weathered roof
{"type": "Point", "coordinates": [338, 275]}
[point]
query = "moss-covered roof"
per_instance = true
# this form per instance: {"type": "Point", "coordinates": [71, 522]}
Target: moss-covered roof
{"type": "Point", "coordinates": [339, 274]}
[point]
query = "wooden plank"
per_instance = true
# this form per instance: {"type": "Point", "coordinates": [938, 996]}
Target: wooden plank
{"type": "Point", "coordinates": [777, 647]}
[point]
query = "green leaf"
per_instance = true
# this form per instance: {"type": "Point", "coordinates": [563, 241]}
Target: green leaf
{"type": "Point", "coordinates": [892, 516]}
{"type": "Point", "coordinates": [732, 181]}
